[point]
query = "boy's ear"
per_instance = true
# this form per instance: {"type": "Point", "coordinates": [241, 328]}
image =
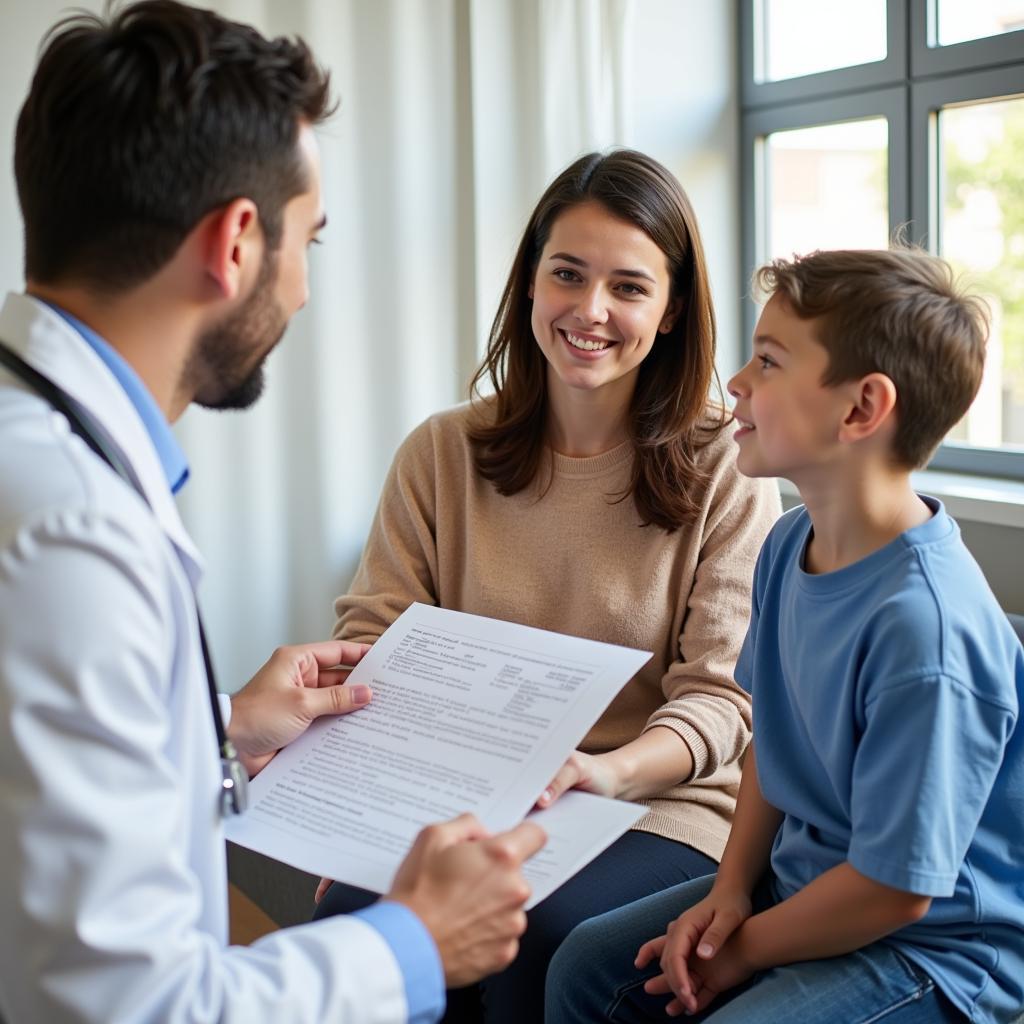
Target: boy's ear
{"type": "Point", "coordinates": [872, 406]}
{"type": "Point", "coordinates": [233, 246]}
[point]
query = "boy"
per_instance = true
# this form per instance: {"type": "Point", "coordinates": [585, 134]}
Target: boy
{"type": "Point", "coordinates": [874, 867]}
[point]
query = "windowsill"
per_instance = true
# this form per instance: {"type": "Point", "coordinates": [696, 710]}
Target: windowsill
{"type": "Point", "coordinates": [979, 499]}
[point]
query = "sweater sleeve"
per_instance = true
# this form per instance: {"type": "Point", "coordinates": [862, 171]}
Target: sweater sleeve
{"type": "Point", "coordinates": [399, 562]}
{"type": "Point", "coordinates": [704, 705]}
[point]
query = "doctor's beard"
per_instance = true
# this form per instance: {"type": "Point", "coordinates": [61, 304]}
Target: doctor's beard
{"type": "Point", "coordinates": [227, 363]}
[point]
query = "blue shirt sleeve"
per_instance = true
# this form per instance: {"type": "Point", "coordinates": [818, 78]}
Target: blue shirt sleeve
{"type": "Point", "coordinates": [417, 958]}
{"type": "Point", "coordinates": [923, 772]}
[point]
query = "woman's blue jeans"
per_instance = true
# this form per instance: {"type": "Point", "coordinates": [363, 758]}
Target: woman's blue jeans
{"type": "Point", "coordinates": [635, 865]}
{"type": "Point", "coordinates": [592, 978]}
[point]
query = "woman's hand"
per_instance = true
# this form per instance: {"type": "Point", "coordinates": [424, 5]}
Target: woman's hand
{"type": "Point", "coordinates": [656, 759]}
{"type": "Point", "coordinates": [701, 933]}
{"type": "Point", "coordinates": [321, 889]}
{"type": "Point", "coordinates": [590, 772]}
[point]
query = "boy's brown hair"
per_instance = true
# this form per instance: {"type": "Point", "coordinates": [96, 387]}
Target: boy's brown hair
{"type": "Point", "coordinates": [895, 311]}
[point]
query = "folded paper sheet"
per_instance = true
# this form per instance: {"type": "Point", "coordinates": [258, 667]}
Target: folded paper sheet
{"type": "Point", "coordinates": [468, 714]}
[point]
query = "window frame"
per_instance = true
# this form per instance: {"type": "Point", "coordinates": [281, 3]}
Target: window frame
{"type": "Point", "coordinates": [909, 88]}
{"type": "Point", "coordinates": [795, 90]}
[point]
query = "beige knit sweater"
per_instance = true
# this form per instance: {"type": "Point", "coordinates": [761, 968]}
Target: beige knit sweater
{"type": "Point", "coordinates": [576, 561]}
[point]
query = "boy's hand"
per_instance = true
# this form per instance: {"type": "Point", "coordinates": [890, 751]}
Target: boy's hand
{"type": "Point", "coordinates": [696, 935]}
{"type": "Point", "coordinates": [707, 979]}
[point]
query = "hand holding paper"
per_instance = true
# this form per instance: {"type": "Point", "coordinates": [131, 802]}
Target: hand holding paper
{"type": "Point", "coordinates": [297, 685]}
{"type": "Point", "coordinates": [581, 771]}
{"type": "Point", "coordinates": [467, 889]}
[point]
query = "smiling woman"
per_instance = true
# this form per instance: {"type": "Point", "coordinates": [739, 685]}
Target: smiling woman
{"type": "Point", "coordinates": [596, 321]}
{"type": "Point", "coordinates": [631, 215]}
{"type": "Point", "coordinates": [594, 493]}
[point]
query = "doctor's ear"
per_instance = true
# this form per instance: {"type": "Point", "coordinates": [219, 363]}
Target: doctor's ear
{"type": "Point", "coordinates": [232, 246]}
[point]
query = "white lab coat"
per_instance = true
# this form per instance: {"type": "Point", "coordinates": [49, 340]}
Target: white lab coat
{"type": "Point", "coordinates": [113, 886]}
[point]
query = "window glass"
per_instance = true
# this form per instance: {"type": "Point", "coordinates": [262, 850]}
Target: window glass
{"type": "Point", "coordinates": [803, 37]}
{"type": "Point", "coordinates": [960, 20]}
{"type": "Point", "coordinates": [827, 188]}
{"type": "Point", "coordinates": [981, 232]}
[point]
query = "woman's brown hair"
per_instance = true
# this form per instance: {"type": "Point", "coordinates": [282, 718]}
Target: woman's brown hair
{"type": "Point", "coordinates": [669, 421]}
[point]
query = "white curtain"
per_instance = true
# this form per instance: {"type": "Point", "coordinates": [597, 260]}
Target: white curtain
{"type": "Point", "coordinates": [454, 115]}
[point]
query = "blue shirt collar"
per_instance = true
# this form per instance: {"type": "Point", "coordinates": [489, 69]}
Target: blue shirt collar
{"type": "Point", "coordinates": [172, 458]}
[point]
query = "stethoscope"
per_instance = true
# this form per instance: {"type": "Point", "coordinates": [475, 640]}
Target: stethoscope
{"type": "Point", "coordinates": [234, 795]}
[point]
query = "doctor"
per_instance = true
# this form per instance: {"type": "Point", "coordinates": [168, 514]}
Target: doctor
{"type": "Point", "coordinates": [169, 182]}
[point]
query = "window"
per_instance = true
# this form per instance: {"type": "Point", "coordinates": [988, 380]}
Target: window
{"type": "Point", "coordinates": [958, 21]}
{"type": "Point", "coordinates": [980, 196]}
{"type": "Point", "coordinates": [845, 35]}
{"type": "Point", "coordinates": [827, 187]}
{"type": "Point", "coordinates": [859, 119]}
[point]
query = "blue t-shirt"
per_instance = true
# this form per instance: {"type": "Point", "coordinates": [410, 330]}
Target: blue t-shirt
{"type": "Point", "coordinates": [886, 698]}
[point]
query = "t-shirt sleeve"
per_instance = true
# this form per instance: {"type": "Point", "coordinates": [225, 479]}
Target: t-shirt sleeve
{"type": "Point", "coordinates": [923, 771]}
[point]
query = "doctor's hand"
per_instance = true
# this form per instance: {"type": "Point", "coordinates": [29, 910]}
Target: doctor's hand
{"type": "Point", "coordinates": [295, 687]}
{"type": "Point", "coordinates": [589, 772]}
{"type": "Point", "coordinates": [467, 888]}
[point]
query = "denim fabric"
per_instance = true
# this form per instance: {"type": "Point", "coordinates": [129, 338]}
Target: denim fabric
{"type": "Point", "coordinates": [592, 978]}
{"type": "Point", "coordinates": [636, 865]}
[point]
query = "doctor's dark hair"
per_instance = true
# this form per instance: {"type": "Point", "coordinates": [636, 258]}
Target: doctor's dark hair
{"type": "Point", "coordinates": [670, 416]}
{"type": "Point", "coordinates": [141, 122]}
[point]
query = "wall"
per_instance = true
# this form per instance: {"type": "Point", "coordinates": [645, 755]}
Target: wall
{"type": "Point", "coordinates": [999, 551]}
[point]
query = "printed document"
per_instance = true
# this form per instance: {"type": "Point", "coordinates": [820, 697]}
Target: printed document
{"type": "Point", "coordinates": [468, 714]}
